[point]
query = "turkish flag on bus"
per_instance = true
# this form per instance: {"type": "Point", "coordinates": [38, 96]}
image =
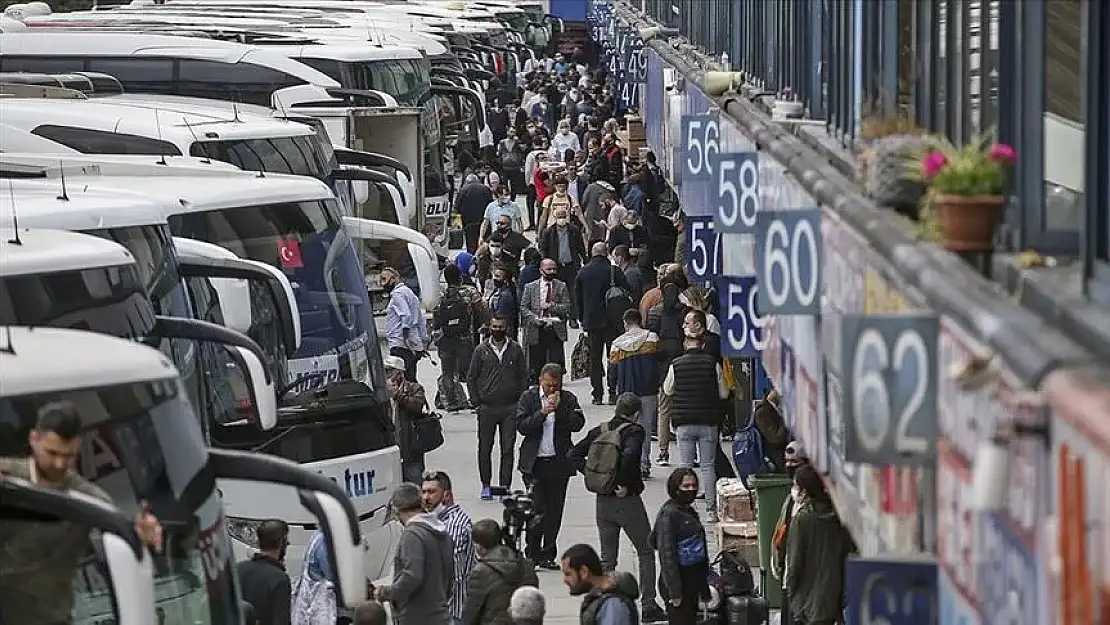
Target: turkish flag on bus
{"type": "Point", "coordinates": [290, 252]}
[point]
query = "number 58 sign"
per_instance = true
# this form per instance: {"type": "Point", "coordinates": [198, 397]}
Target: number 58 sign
{"type": "Point", "coordinates": [890, 389]}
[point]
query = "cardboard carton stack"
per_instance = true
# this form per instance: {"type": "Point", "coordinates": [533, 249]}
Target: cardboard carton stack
{"type": "Point", "coordinates": [736, 530]}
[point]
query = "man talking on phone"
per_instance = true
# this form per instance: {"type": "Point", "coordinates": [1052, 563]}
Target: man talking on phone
{"type": "Point", "coordinates": [546, 416]}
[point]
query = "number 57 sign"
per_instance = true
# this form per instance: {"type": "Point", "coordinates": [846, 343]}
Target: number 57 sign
{"type": "Point", "coordinates": [890, 389]}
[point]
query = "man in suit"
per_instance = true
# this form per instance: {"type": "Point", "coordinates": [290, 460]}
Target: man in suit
{"type": "Point", "coordinates": [546, 415]}
{"type": "Point", "coordinates": [544, 309]}
{"type": "Point", "coordinates": [564, 244]}
{"type": "Point", "coordinates": [590, 290]}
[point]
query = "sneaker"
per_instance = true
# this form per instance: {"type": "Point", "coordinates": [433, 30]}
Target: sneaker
{"type": "Point", "coordinates": [663, 460]}
{"type": "Point", "coordinates": [486, 494]}
{"type": "Point", "coordinates": [547, 565]}
{"type": "Point", "coordinates": [597, 401]}
{"type": "Point", "coordinates": [652, 613]}
{"type": "Point", "coordinates": [645, 474]}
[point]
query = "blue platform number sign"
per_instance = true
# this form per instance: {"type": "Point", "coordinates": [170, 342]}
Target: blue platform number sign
{"type": "Point", "coordinates": [703, 250]}
{"type": "Point", "coordinates": [788, 261]}
{"type": "Point", "coordinates": [899, 591]}
{"type": "Point", "coordinates": [701, 137]}
{"type": "Point", "coordinates": [737, 192]}
{"type": "Point", "coordinates": [742, 325]}
{"type": "Point", "coordinates": [889, 393]}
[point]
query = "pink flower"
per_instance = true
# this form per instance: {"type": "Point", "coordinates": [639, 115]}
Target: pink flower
{"type": "Point", "coordinates": [1002, 152]}
{"type": "Point", "coordinates": [933, 163]}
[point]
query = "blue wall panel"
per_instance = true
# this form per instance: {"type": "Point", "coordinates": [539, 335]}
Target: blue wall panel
{"type": "Point", "coordinates": [569, 10]}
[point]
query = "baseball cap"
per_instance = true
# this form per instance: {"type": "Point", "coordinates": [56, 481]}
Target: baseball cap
{"type": "Point", "coordinates": [795, 451]}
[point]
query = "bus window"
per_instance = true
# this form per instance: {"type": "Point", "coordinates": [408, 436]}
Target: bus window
{"type": "Point", "coordinates": [101, 142]}
{"type": "Point", "coordinates": [238, 82]}
{"type": "Point", "coordinates": [141, 75]}
{"type": "Point", "coordinates": [42, 64]}
{"type": "Point", "coordinates": [299, 156]}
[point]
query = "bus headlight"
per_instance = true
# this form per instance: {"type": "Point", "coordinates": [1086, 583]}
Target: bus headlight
{"type": "Point", "coordinates": [244, 530]}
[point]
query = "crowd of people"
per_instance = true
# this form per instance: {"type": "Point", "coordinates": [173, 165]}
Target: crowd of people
{"type": "Point", "coordinates": [582, 254]}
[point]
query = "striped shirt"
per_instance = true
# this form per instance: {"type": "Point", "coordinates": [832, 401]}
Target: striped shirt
{"type": "Point", "coordinates": [458, 528]}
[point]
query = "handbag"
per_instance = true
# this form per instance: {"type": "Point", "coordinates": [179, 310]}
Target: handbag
{"type": "Point", "coordinates": [427, 431]}
{"type": "Point", "coordinates": [580, 359]}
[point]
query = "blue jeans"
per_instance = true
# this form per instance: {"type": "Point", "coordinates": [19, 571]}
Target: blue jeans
{"type": "Point", "coordinates": [649, 405]}
{"type": "Point", "coordinates": [700, 441]}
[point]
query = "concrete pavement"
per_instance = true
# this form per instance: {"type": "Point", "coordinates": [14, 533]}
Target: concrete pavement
{"type": "Point", "coordinates": [458, 457]}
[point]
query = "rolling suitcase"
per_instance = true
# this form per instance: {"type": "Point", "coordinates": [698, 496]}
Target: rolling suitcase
{"type": "Point", "coordinates": [746, 610]}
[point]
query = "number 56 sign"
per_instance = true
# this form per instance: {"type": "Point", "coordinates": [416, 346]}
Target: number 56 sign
{"type": "Point", "coordinates": [890, 389]}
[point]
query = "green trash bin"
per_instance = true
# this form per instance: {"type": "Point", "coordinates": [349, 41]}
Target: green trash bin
{"type": "Point", "coordinates": [770, 492]}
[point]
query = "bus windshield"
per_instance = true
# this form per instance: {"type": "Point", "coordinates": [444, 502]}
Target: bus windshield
{"type": "Point", "coordinates": [307, 241]}
{"type": "Point", "coordinates": [143, 443]}
{"type": "Point", "coordinates": [299, 156]}
{"type": "Point", "coordinates": [108, 300]}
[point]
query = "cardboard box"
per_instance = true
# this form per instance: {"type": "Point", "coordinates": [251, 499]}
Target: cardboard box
{"type": "Point", "coordinates": [740, 538]}
{"type": "Point", "coordinates": [735, 503]}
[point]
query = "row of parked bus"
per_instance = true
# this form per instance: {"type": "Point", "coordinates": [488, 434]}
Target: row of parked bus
{"type": "Point", "coordinates": [196, 197]}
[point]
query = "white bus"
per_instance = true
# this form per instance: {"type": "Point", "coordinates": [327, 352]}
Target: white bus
{"type": "Point", "coordinates": [290, 223]}
{"type": "Point", "coordinates": [142, 442]}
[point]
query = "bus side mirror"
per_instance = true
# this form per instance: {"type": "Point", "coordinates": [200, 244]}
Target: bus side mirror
{"type": "Point", "coordinates": [130, 568]}
{"type": "Point", "coordinates": [321, 497]}
{"type": "Point", "coordinates": [263, 394]}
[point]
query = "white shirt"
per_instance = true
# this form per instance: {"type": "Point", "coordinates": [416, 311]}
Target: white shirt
{"type": "Point", "coordinates": [722, 388]}
{"type": "Point", "coordinates": [499, 351]}
{"type": "Point", "coordinates": [547, 441]}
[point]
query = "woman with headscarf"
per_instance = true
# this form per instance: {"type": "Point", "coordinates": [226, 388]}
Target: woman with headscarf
{"type": "Point", "coordinates": [679, 538]}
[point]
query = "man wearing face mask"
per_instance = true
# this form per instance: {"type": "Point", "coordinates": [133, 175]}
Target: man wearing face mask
{"type": "Point", "coordinates": [471, 203]}
{"type": "Point", "coordinates": [595, 301]}
{"type": "Point", "coordinates": [439, 499]}
{"type": "Point", "coordinates": [630, 234]}
{"type": "Point", "coordinates": [510, 153]}
{"type": "Point", "coordinates": [565, 244]}
{"type": "Point", "coordinates": [696, 384]}
{"type": "Point", "coordinates": [406, 331]}
{"type": "Point", "coordinates": [501, 206]}
{"type": "Point", "coordinates": [545, 306]}
{"type": "Point", "coordinates": [263, 580]}
{"type": "Point", "coordinates": [695, 326]}
{"type": "Point", "coordinates": [498, 375]}
{"type": "Point", "coordinates": [406, 400]}
{"type": "Point", "coordinates": [496, 253]}
{"type": "Point", "coordinates": [564, 140]}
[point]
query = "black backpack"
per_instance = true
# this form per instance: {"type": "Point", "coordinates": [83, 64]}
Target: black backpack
{"type": "Point", "coordinates": [617, 301]}
{"type": "Point", "coordinates": [453, 316]}
{"type": "Point", "coordinates": [736, 578]}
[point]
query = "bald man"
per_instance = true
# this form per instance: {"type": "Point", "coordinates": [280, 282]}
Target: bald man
{"type": "Point", "coordinates": [470, 204]}
{"type": "Point", "coordinates": [600, 311]}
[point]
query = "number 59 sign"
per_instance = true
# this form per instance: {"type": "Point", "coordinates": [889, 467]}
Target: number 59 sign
{"type": "Point", "coordinates": [890, 389]}
{"type": "Point", "coordinates": [742, 325]}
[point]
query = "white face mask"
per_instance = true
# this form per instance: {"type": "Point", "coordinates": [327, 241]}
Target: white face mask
{"type": "Point", "coordinates": [629, 226]}
{"type": "Point", "coordinates": [796, 494]}
{"type": "Point", "coordinates": [562, 221]}
{"type": "Point", "coordinates": [691, 333]}
{"type": "Point", "coordinates": [495, 250]}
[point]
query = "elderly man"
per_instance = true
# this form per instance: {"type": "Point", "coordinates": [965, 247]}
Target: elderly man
{"type": "Point", "coordinates": [528, 606]}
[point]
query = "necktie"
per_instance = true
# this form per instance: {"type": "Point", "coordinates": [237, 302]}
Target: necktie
{"type": "Point", "coordinates": [550, 298]}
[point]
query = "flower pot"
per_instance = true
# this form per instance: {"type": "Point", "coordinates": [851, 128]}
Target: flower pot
{"type": "Point", "coordinates": [967, 222]}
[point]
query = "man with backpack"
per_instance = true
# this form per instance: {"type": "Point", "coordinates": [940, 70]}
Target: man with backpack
{"type": "Point", "coordinates": [454, 318]}
{"type": "Point", "coordinates": [601, 295]}
{"type": "Point", "coordinates": [609, 458]}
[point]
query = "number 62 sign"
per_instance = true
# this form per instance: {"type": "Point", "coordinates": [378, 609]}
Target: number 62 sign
{"type": "Point", "coordinates": [890, 389]}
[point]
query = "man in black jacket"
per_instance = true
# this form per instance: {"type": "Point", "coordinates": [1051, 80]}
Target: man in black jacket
{"type": "Point", "coordinates": [546, 416]}
{"type": "Point", "coordinates": [497, 376]}
{"type": "Point", "coordinates": [470, 204]}
{"type": "Point", "coordinates": [263, 579]}
{"type": "Point", "coordinates": [590, 289]}
{"type": "Point", "coordinates": [624, 508]}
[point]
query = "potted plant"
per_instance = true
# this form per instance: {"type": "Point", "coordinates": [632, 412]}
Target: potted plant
{"type": "Point", "coordinates": [967, 187]}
